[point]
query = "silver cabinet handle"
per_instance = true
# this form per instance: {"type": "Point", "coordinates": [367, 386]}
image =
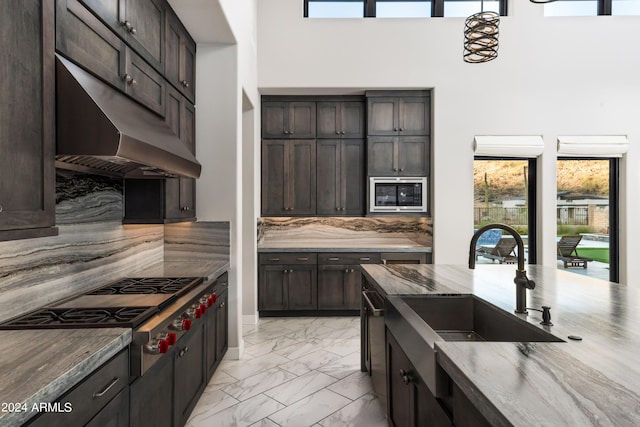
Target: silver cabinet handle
{"type": "Point", "coordinates": [395, 129]}
{"type": "Point", "coordinates": [351, 270]}
{"type": "Point", "coordinates": [346, 270]}
{"type": "Point", "coordinates": [184, 83]}
{"type": "Point", "coordinates": [1, 208]}
{"type": "Point", "coordinates": [106, 389]}
{"type": "Point", "coordinates": [401, 129]}
{"type": "Point", "coordinates": [274, 259]}
{"type": "Point", "coordinates": [303, 259]}
{"type": "Point", "coordinates": [183, 351]}
{"type": "Point", "coordinates": [128, 79]}
{"type": "Point", "coordinates": [395, 169]}
{"type": "Point", "coordinates": [222, 305]}
{"type": "Point", "coordinates": [334, 259]}
{"type": "Point", "coordinates": [401, 169]}
{"type": "Point", "coordinates": [365, 258]}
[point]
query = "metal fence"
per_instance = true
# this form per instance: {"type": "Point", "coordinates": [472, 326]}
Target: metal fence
{"type": "Point", "coordinates": [574, 215]}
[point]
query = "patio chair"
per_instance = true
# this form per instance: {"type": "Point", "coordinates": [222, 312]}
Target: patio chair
{"type": "Point", "coordinates": [568, 252]}
{"type": "Point", "coordinates": [503, 251]}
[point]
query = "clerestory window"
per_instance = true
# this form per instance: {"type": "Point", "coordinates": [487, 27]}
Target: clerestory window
{"type": "Point", "coordinates": [399, 8]}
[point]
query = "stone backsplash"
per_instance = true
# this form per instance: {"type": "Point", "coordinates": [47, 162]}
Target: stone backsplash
{"type": "Point", "coordinates": [418, 229]}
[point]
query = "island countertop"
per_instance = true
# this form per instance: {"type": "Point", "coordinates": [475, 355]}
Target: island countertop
{"type": "Point", "coordinates": [595, 381]}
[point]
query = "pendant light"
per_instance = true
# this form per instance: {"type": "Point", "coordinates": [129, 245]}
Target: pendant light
{"type": "Point", "coordinates": [481, 36]}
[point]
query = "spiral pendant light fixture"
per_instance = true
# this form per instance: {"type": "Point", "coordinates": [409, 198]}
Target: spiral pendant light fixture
{"type": "Point", "coordinates": [481, 36]}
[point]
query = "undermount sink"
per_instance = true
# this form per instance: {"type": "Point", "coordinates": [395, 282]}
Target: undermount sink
{"type": "Point", "coordinates": [467, 318]}
{"type": "Point", "coordinates": [418, 322]}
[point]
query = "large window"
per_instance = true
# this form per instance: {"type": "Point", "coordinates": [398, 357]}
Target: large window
{"type": "Point", "coordinates": [399, 8]}
{"type": "Point", "coordinates": [504, 192]}
{"type": "Point", "coordinates": [587, 217]}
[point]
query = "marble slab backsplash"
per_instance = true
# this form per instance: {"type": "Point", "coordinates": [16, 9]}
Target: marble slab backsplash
{"type": "Point", "coordinates": [197, 241]}
{"type": "Point", "coordinates": [418, 229]}
{"type": "Point", "coordinates": [93, 246]}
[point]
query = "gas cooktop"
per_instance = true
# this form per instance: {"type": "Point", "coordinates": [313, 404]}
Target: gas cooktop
{"type": "Point", "coordinates": [148, 285]}
{"type": "Point", "coordinates": [104, 317]}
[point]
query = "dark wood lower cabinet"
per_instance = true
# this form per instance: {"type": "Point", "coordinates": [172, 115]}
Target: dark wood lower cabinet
{"type": "Point", "coordinates": [217, 327]}
{"type": "Point", "coordinates": [339, 287]}
{"type": "Point", "coordinates": [189, 378]}
{"type": "Point", "coordinates": [115, 414]}
{"type": "Point", "coordinates": [410, 403]}
{"type": "Point", "coordinates": [152, 395]}
{"type": "Point", "coordinates": [287, 281]}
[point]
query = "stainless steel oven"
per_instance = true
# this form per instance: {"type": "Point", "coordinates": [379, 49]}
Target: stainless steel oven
{"type": "Point", "coordinates": [398, 194]}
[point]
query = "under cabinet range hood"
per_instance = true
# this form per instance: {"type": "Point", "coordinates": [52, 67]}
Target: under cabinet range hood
{"type": "Point", "coordinates": [100, 130]}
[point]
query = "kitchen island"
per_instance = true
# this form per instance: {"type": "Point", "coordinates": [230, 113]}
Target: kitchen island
{"type": "Point", "coordinates": [595, 381]}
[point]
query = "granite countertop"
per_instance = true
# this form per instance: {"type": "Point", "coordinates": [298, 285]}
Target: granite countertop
{"type": "Point", "coordinates": [595, 381]}
{"type": "Point", "coordinates": [341, 244]}
{"type": "Point", "coordinates": [41, 365]}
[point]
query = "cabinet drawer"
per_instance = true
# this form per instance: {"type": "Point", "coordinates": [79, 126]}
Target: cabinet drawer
{"type": "Point", "coordinates": [348, 258]}
{"type": "Point", "coordinates": [91, 395]}
{"type": "Point", "coordinates": [288, 258]}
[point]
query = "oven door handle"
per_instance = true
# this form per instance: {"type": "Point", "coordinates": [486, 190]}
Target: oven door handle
{"type": "Point", "coordinates": [376, 312]}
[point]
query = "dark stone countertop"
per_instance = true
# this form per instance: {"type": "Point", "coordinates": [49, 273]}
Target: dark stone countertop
{"type": "Point", "coordinates": [595, 381]}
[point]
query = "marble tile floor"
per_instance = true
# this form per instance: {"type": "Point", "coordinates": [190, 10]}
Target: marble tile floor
{"type": "Point", "coordinates": [295, 372]}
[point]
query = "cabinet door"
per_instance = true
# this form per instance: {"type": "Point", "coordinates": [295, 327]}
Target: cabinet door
{"type": "Point", "coordinates": [302, 120]}
{"type": "Point", "coordinates": [189, 375]}
{"type": "Point", "coordinates": [332, 281]}
{"type": "Point", "coordinates": [339, 287]}
{"type": "Point", "coordinates": [383, 116]}
{"type": "Point", "coordinates": [302, 287]}
{"type": "Point", "coordinates": [413, 116]}
{"type": "Point", "coordinates": [382, 156]}
{"type": "Point", "coordinates": [352, 177]}
{"type": "Point", "coordinates": [273, 287]}
{"type": "Point", "coordinates": [179, 57]}
{"type": "Point", "coordinates": [302, 177]}
{"type": "Point", "coordinates": [83, 38]}
{"type": "Point", "coordinates": [27, 173]}
{"type": "Point", "coordinates": [111, 12]}
{"type": "Point", "coordinates": [329, 177]}
{"type": "Point", "coordinates": [352, 119]}
{"type": "Point", "coordinates": [144, 84]}
{"type": "Point", "coordinates": [275, 177]}
{"type": "Point", "coordinates": [144, 22]}
{"type": "Point", "coordinates": [222, 325]}
{"type": "Point", "coordinates": [275, 120]}
{"type": "Point", "coordinates": [413, 156]}
{"type": "Point", "coordinates": [152, 395]}
{"type": "Point", "coordinates": [328, 124]}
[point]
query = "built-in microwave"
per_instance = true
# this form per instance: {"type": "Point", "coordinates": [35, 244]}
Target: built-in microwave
{"type": "Point", "coordinates": [398, 194]}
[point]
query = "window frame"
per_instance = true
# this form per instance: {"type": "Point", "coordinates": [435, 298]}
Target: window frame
{"type": "Point", "coordinates": [532, 200]}
{"type": "Point", "coordinates": [614, 212]}
{"type": "Point", "coordinates": [437, 7]}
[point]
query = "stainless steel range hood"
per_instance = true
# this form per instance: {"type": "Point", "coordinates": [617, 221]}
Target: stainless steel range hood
{"type": "Point", "coordinates": [100, 130]}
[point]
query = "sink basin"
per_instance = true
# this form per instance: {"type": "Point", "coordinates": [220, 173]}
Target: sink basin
{"type": "Point", "coordinates": [467, 318]}
{"type": "Point", "coordinates": [418, 322]}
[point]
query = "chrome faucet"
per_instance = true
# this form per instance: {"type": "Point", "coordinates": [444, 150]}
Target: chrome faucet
{"type": "Point", "coordinates": [521, 280]}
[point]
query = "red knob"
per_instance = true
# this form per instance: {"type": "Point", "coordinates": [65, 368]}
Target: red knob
{"type": "Point", "coordinates": [186, 324]}
{"type": "Point", "coordinates": [213, 298]}
{"type": "Point", "coordinates": [172, 338]}
{"type": "Point", "coordinates": [198, 313]}
{"type": "Point", "coordinates": [203, 309]}
{"type": "Point", "coordinates": [163, 346]}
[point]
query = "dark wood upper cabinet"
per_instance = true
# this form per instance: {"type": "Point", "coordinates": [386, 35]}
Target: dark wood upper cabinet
{"type": "Point", "coordinates": [81, 37]}
{"type": "Point", "coordinates": [340, 177]}
{"type": "Point", "coordinates": [340, 119]}
{"type": "Point", "coordinates": [288, 177]}
{"type": "Point", "coordinates": [398, 156]}
{"type": "Point", "coordinates": [27, 120]}
{"type": "Point", "coordinates": [402, 113]}
{"type": "Point", "coordinates": [140, 23]}
{"type": "Point", "coordinates": [180, 59]}
{"type": "Point", "coordinates": [289, 119]}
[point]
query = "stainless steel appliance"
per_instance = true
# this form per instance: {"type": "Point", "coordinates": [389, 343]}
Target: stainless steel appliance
{"type": "Point", "coordinates": [398, 194]}
{"type": "Point", "coordinates": [160, 311]}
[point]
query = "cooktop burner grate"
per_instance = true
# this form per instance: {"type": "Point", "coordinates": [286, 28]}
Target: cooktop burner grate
{"type": "Point", "coordinates": [108, 317]}
{"type": "Point", "coordinates": [148, 286]}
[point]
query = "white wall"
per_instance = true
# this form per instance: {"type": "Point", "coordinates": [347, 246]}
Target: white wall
{"type": "Point", "coordinates": [553, 76]}
{"type": "Point", "coordinates": [226, 92]}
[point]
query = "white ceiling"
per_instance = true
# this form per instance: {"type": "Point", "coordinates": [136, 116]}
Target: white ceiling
{"type": "Point", "coordinates": [205, 20]}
